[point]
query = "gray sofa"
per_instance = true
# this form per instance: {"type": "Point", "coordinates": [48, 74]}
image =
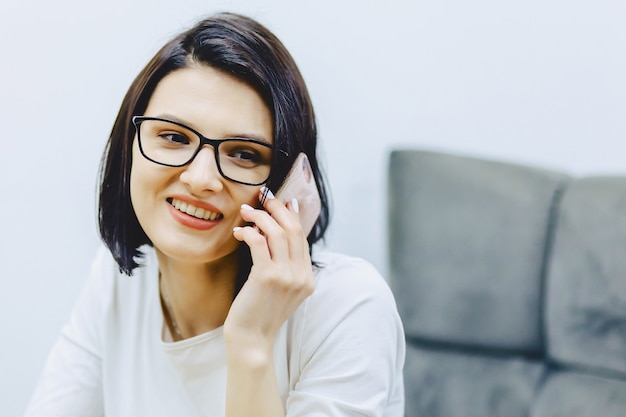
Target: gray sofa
{"type": "Point", "coordinates": [511, 283]}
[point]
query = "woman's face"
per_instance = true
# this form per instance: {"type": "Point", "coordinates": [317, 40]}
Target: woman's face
{"type": "Point", "coordinates": [216, 105]}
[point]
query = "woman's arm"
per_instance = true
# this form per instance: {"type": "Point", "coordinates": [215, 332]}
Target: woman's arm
{"type": "Point", "coordinates": [70, 385]}
{"type": "Point", "coordinates": [281, 278]}
{"type": "Point", "coordinates": [71, 382]}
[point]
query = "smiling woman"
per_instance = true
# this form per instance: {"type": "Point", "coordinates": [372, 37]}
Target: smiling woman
{"type": "Point", "coordinates": [231, 308]}
{"type": "Point", "coordinates": [220, 106]}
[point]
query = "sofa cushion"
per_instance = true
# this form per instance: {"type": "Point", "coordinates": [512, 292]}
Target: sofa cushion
{"type": "Point", "coordinates": [586, 287]}
{"type": "Point", "coordinates": [467, 242]}
{"type": "Point", "coordinates": [450, 384]}
{"type": "Point", "coordinates": [569, 394]}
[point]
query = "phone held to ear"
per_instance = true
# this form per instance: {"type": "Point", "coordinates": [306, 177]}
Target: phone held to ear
{"type": "Point", "coordinates": [300, 184]}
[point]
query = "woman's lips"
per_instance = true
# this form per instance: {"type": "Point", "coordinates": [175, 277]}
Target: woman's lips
{"type": "Point", "coordinates": [190, 215]}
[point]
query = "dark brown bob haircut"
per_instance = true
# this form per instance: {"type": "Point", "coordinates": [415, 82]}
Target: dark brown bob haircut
{"type": "Point", "coordinates": [245, 49]}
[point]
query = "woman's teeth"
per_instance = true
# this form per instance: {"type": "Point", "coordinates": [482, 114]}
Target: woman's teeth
{"type": "Point", "coordinates": [200, 213]}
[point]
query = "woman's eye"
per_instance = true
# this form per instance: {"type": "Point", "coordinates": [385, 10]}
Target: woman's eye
{"type": "Point", "coordinates": [246, 155]}
{"type": "Point", "coordinates": [175, 138]}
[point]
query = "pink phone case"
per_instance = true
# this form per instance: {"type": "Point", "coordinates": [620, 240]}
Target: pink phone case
{"type": "Point", "coordinates": [300, 184]}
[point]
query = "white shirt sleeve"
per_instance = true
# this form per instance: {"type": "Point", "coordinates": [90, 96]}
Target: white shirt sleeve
{"type": "Point", "coordinates": [71, 383]}
{"type": "Point", "coordinates": [353, 347]}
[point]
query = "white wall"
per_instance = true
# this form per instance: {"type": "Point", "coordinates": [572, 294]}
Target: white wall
{"type": "Point", "coordinates": [539, 82]}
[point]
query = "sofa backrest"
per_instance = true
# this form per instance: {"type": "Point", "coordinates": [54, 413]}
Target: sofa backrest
{"type": "Point", "coordinates": [508, 278]}
{"type": "Point", "coordinates": [585, 303]}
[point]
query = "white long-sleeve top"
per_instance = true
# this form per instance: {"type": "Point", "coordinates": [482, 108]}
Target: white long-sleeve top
{"type": "Point", "coordinates": [340, 354]}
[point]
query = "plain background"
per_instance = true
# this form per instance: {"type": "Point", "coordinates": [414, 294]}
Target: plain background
{"type": "Point", "coordinates": [539, 82]}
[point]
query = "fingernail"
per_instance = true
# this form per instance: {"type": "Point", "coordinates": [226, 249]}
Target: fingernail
{"type": "Point", "coordinates": [236, 228]}
{"type": "Point", "coordinates": [295, 206]}
{"type": "Point", "coordinates": [267, 192]}
{"type": "Point", "coordinates": [247, 207]}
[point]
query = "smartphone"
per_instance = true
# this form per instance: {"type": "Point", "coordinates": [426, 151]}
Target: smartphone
{"type": "Point", "coordinates": [300, 184]}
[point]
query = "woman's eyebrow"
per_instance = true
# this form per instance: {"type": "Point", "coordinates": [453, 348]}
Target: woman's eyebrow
{"type": "Point", "coordinates": [250, 136]}
{"type": "Point", "coordinates": [172, 118]}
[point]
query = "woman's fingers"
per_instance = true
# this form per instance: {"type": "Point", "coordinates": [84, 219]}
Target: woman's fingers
{"type": "Point", "coordinates": [273, 235]}
{"type": "Point", "coordinates": [280, 226]}
{"type": "Point", "coordinates": [285, 215]}
{"type": "Point", "coordinates": [287, 218]}
{"type": "Point", "coordinates": [256, 242]}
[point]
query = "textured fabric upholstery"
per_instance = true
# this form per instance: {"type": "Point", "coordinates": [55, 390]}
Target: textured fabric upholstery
{"type": "Point", "coordinates": [586, 297]}
{"type": "Point", "coordinates": [444, 383]}
{"type": "Point", "coordinates": [467, 246]}
{"type": "Point", "coordinates": [511, 282]}
{"type": "Point", "coordinates": [571, 394]}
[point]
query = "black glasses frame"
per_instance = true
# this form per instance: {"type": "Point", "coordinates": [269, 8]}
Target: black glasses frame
{"type": "Point", "coordinates": [215, 143]}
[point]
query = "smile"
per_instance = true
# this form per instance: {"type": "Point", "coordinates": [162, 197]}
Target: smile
{"type": "Point", "coordinates": [191, 210]}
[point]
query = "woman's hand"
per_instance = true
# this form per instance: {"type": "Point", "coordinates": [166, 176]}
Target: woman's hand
{"type": "Point", "coordinates": [281, 277]}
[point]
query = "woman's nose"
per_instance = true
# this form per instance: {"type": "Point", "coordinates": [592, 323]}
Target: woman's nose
{"type": "Point", "coordinates": [202, 173]}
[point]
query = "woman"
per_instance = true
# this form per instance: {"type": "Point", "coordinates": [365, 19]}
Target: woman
{"type": "Point", "coordinates": [225, 312]}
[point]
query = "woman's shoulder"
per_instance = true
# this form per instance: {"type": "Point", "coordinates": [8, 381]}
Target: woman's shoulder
{"type": "Point", "coordinates": [107, 281]}
{"type": "Point", "coordinates": [349, 325]}
{"type": "Point", "coordinates": [104, 262]}
{"type": "Point", "coordinates": [345, 284]}
{"type": "Point", "coordinates": [108, 292]}
{"type": "Point", "coordinates": [335, 271]}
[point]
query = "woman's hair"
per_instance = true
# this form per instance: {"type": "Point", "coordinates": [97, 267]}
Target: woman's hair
{"type": "Point", "coordinates": [238, 46]}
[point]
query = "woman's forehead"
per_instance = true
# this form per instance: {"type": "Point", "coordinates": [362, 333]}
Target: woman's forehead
{"type": "Point", "coordinates": [212, 102]}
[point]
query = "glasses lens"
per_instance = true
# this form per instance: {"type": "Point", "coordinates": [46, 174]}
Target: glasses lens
{"type": "Point", "coordinates": [240, 160]}
{"type": "Point", "coordinates": [245, 161]}
{"type": "Point", "coordinates": [167, 143]}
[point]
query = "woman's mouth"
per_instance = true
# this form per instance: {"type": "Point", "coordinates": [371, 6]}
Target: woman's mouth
{"type": "Point", "coordinates": [191, 210]}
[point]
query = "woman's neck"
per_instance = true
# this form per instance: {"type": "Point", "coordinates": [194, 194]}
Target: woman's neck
{"type": "Point", "coordinates": [198, 296]}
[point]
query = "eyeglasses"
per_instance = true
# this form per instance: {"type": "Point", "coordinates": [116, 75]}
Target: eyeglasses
{"type": "Point", "coordinates": [169, 143]}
